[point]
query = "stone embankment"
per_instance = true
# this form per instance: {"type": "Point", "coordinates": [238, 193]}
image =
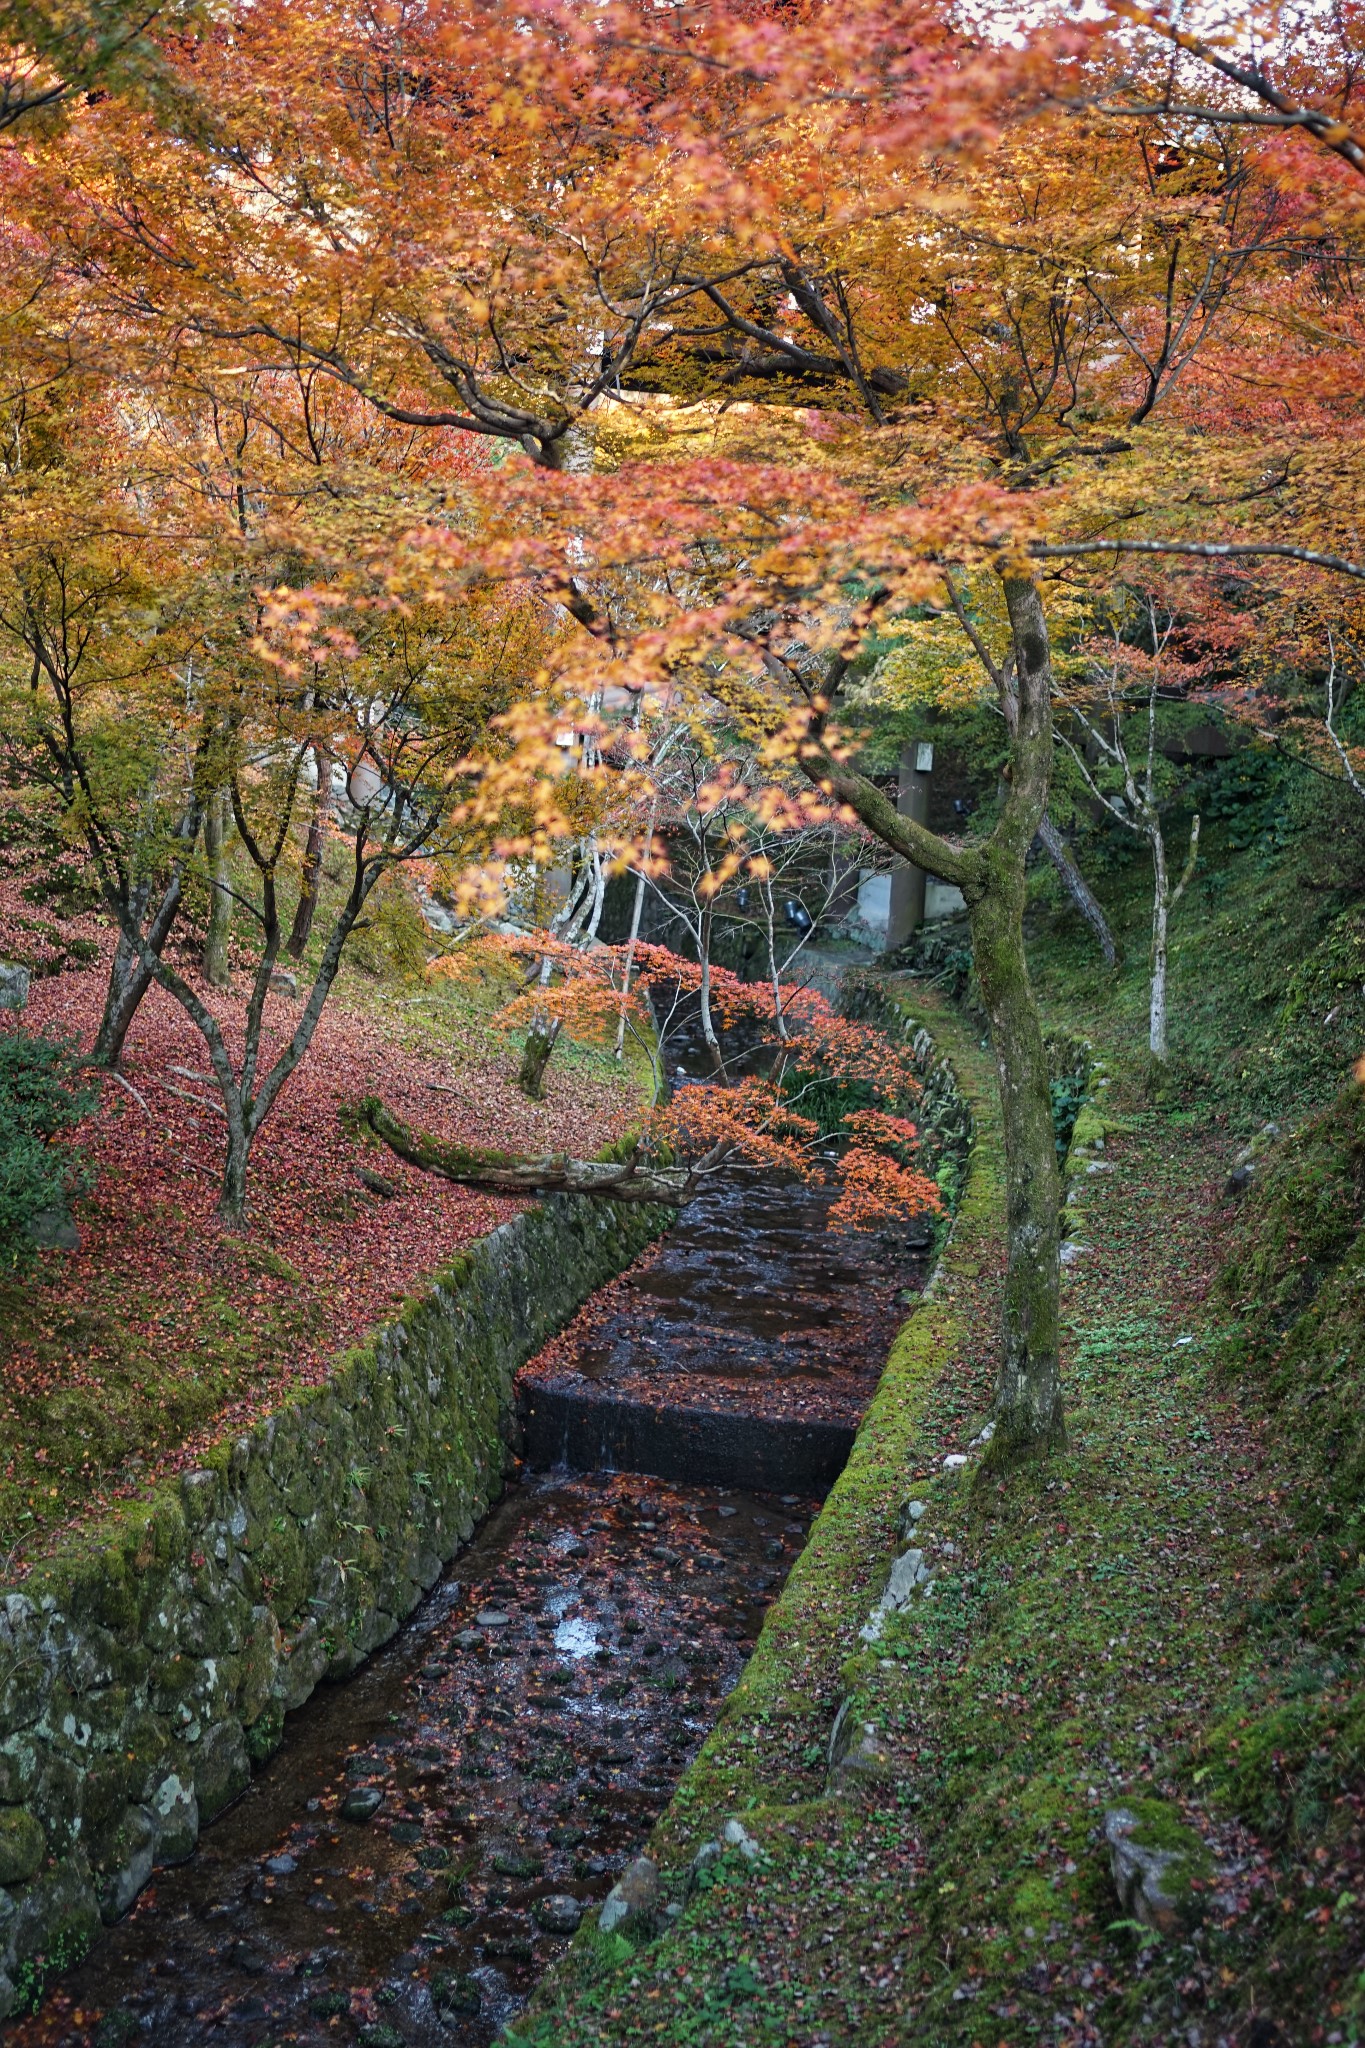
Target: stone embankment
{"type": "Point", "coordinates": [146, 1671]}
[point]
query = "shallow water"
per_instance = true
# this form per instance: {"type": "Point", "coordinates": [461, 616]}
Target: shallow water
{"type": "Point", "coordinates": [525, 1729]}
{"type": "Point", "coordinates": [750, 1304]}
{"type": "Point", "coordinates": [528, 1725]}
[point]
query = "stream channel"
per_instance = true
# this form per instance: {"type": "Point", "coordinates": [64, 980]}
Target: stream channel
{"type": "Point", "coordinates": [419, 1850]}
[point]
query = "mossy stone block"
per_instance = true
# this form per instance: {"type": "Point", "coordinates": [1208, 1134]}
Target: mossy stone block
{"type": "Point", "coordinates": [22, 1845]}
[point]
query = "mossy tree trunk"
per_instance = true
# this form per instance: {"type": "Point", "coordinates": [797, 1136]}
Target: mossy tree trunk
{"type": "Point", "coordinates": [991, 875]}
{"type": "Point", "coordinates": [541, 1040]}
{"type": "Point", "coordinates": [311, 881]}
{"type": "Point", "coordinates": [216, 830]}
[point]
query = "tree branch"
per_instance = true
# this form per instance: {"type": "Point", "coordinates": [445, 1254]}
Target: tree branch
{"type": "Point", "coordinates": [555, 1173]}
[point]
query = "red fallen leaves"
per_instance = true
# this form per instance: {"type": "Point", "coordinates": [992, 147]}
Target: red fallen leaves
{"type": "Point", "coordinates": [322, 1260]}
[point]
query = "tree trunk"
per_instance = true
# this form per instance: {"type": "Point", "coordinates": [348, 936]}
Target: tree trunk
{"type": "Point", "coordinates": [541, 1040]}
{"type": "Point", "coordinates": [1079, 890]}
{"type": "Point", "coordinates": [1028, 1400]}
{"type": "Point", "coordinates": [475, 1166]}
{"type": "Point", "coordinates": [311, 882]}
{"type": "Point", "coordinates": [1028, 1404]}
{"type": "Point", "coordinates": [1157, 1041]}
{"type": "Point", "coordinates": [232, 1195]}
{"type": "Point", "coordinates": [637, 909]}
{"type": "Point", "coordinates": [130, 977]}
{"type": "Point", "coordinates": [216, 971]}
{"type": "Point", "coordinates": [708, 1027]}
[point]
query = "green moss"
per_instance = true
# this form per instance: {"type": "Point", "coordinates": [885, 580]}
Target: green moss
{"type": "Point", "coordinates": [22, 1845]}
{"type": "Point", "coordinates": [1302, 1212]}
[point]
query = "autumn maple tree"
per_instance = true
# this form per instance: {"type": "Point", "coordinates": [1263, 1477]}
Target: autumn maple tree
{"type": "Point", "coordinates": [793, 330]}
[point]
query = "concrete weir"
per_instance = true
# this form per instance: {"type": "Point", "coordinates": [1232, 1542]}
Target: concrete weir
{"type": "Point", "coordinates": [587, 1431]}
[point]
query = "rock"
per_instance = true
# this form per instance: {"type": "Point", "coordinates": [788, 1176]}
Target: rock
{"type": "Point", "coordinates": [222, 1768]}
{"type": "Point", "coordinates": [9, 1993]}
{"type": "Point", "coordinates": [377, 1184]}
{"type": "Point", "coordinates": [517, 1863]}
{"type": "Point", "coordinates": [128, 1865]}
{"type": "Point", "coordinates": [363, 1803]}
{"type": "Point", "coordinates": [247, 1959]}
{"type": "Point", "coordinates": [858, 1754]}
{"type": "Point", "coordinates": [1072, 1251]}
{"type": "Point", "coordinates": [406, 1832]}
{"type": "Point", "coordinates": [281, 1866]}
{"type": "Point", "coordinates": [1152, 1857]}
{"type": "Point", "coordinates": [459, 1996]}
{"type": "Point", "coordinates": [1246, 1162]}
{"type": "Point", "coordinates": [907, 1573]}
{"type": "Point", "coordinates": [469, 1639]}
{"type": "Point", "coordinates": [559, 1914]}
{"type": "Point", "coordinates": [381, 2035]}
{"type": "Point", "coordinates": [954, 1461]}
{"type": "Point", "coordinates": [575, 1547]}
{"type": "Point", "coordinates": [175, 1810]}
{"type": "Point", "coordinates": [735, 1835]}
{"type": "Point", "coordinates": [492, 1617]}
{"type": "Point", "coordinates": [727, 1511]}
{"type": "Point", "coordinates": [53, 1231]}
{"type": "Point", "coordinates": [14, 981]}
{"type": "Point", "coordinates": [284, 983]}
{"type": "Point", "coordinates": [633, 1900]}
{"type": "Point", "coordinates": [22, 1845]}
{"type": "Point", "coordinates": [709, 1853]}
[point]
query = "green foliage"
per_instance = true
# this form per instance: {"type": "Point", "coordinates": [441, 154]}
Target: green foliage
{"type": "Point", "coordinates": [393, 940]}
{"type": "Point", "coordinates": [41, 1095]}
{"type": "Point", "coordinates": [1068, 1093]}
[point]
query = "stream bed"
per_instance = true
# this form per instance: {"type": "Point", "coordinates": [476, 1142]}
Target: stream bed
{"type": "Point", "coordinates": [423, 1844]}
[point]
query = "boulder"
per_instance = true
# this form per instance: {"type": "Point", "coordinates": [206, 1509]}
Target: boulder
{"type": "Point", "coordinates": [53, 1231]}
{"type": "Point", "coordinates": [126, 1864]}
{"type": "Point", "coordinates": [632, 1904]}
{"type": "Point", "coordinates": [14, 981]}
{"type": "Point", "coordinates": [1153, 1858]}
{"type": "Point", "coordinates": [458, 1996]}
{"type": "Point", "coordinates": [558, 1914]}
{"type": "Point", "coordinates": [363, 1803]}
{"type": "Point", "coordinates": [908, 1574]}
{"type": "Point", "coordinates": [175, 1811]}
{"type": "Point", "coordinates": [22, 1845]}
{"type": "Point", "coordinates": [222, 1768]}
{"type": "Point", "coordinates": [858, 1754]}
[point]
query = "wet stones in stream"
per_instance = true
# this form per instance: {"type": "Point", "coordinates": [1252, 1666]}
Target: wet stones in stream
{"type": "Point", "coordinates": [433, 1831]}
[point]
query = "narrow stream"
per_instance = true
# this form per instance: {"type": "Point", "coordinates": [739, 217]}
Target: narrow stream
{"type": "Point", "coordinates": [428, 1836]}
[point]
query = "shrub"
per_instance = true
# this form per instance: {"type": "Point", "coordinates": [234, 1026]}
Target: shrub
{"type": "Point", "coordinates": [41, 1095]}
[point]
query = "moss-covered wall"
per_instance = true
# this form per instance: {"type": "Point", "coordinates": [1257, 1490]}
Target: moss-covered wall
{"type": "Point", "coordinates": [146, 1671]}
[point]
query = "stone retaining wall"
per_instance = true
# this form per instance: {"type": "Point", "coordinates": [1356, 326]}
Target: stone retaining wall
{"type": "Point", "coordinates": [145, 1673]}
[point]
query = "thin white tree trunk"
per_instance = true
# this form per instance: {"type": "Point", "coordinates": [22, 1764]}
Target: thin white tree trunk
{"type": "Point", "coordinates": [637, 909]}
{"type": "Point", "coordinates": [1161, 913]}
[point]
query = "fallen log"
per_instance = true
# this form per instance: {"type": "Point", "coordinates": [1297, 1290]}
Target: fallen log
{"type": "Point", "coordinates": [555, 1173]}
